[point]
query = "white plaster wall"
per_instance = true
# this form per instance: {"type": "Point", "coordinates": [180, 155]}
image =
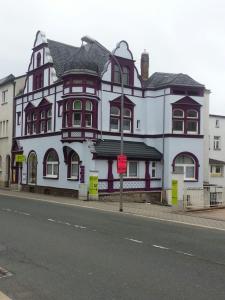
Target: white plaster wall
{"type": "Point", "coordinates": [46, 75]}
{"type": "Point", "coordinates": [122, 50]}
{"type": "Point", "coordinates": [174, 146]}
{"type": "Point", "coordinates": [41, 145]}
{"type": "Point", "coordinates": [213, 131]}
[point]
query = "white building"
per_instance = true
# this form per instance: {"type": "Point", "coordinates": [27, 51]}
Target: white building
{"type": "Point", "coordinates": [217, 149]}
{"type": "Point", "coordinates": [68, 121]}
{"type": "Point", "coordinates": [9, 87]}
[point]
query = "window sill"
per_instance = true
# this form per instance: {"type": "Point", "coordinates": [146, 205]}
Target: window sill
{"type": "Point", "coordinates": [50, 177]}
{"type": "Point", "coordinates": [216, 175]}
{"type": "Point", "coordinates": [218, 149]}
{"type": "Point", "coordinates": [3, 103]}
{"type": "Point", "coordinates": [73, 179]}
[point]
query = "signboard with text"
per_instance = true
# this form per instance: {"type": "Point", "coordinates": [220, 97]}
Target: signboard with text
{"type": "Point", "coordinates": [121, 164]}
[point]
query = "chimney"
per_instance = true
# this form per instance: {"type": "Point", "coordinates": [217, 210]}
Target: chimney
{"type": "Point", "coordinates": [144, 65]}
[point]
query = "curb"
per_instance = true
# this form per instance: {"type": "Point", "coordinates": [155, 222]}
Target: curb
{"type": "Point", "coordinates": [4, 297]}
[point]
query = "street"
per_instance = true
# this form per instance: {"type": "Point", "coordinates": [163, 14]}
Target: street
{"type": "Point", "coordinates": [59, 252]}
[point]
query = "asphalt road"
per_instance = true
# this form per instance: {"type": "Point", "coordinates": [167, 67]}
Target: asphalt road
{"type": "Point", "coordinates": [59, 252]}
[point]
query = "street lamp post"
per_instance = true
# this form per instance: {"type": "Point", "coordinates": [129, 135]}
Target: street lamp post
{"type": "Point", "coordinates": [90, 40]}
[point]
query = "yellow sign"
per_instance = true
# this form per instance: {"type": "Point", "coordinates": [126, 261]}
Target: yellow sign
{"type": "Point", "coordinates": [93, 185]}
{"type": "Point", "coordinates": [20, 158]}
{"type": "Point", "coordinates": [174, 192]}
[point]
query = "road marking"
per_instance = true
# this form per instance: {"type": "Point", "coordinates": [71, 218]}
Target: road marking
{"type": "Point", "coordinates": [113, 211]}
{"type": "Point", "coordinates": [67, 224]}
{"type": "Point", "coordinates": [184, 253]}
{"type": "Point", "coordinates": [161, 247]}
{"type": "Point", "coordinates": [51, 220]}
{"type": "Point", "coordinates": [133, 240]}
{"type": "Point", "coordinates": [24, 213]}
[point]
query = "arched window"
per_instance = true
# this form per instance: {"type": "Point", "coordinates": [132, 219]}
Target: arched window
{"type": "Point", "coordinates": [178, 113]}
{"type": "Point", "coordinates": [186, 164]}
{"type": "Point", "coordinates": [51, 164]}
{"type": "Point", "coordinates": [73, 165]}
{"type": "Point", "coordinates": [32, 168]}
{"type": "Point", "coordinates": [38, 59]}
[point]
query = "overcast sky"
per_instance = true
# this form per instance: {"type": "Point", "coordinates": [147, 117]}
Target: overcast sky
{"type": "Point", "coordinates": [180, 36]}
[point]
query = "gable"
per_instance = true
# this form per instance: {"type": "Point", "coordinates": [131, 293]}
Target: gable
{"type": "Point", "coordinates": [127, 101]}
{"type": "Point", "coordinates": [122, 50]}
{"type": "Point", "coordinates": [44, 102]}
{"type": "Point", "coordinates": [29, 106]}
{"type": "Point", "coordinates": [187, 101]}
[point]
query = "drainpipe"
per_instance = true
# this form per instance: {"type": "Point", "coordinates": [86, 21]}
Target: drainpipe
{"type": "Point", "coordinates": [163, 147]}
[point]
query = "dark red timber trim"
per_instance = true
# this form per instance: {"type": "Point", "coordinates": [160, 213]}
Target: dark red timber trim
{"type": "Point", "coordinates": [110, 175]}
{"type": "Point", "coordinates": [197, 165]}
{"type": "Point", "coordinates": [147, 176]}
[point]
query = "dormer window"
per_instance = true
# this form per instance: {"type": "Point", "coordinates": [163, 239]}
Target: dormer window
{"type": "Point", "coordinates": [38, 59]}
{"type": "Point", "coordinates": [117, 75]}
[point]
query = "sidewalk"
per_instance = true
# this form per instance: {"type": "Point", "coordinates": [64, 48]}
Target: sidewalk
{"type": "Point", "coordinates": [206, 219]}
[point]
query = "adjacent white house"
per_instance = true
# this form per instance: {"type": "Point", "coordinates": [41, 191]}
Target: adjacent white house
{"type": "Point", "coordinates": [216, 149]}
{"type": "Point", "coordinates": [68, 121]}
{"type": "Point", "coordinates": [9, 87]}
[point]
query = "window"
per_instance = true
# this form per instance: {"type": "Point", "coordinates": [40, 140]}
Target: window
{"type": "Point", "coordinates": [18, 117]}
{"type": "Point", "coordinates": [73, 167]}
{"type": "Point", "coordinates": [153, 169]}
{"type": "Point", "coordinates": [127, 120]}
{"type": "Point", "coordinates": [178, 121]}
{"type": "Point", "coordinates": [126, 80]}
{"type": "Point", "coordinates": [0, 163]}
{"type": "Point", "coordinates": [88, 114]}
{"type": "Point", "coordinates": [216, 143]}
{"type": "Point", "coordinates": [216, 170]}
{"type": "Point", "coordinates": [4, 96]}
{"type": "Point", "coordinates": [185, 121]}
{"type": "Point", "coordinates": [117, 77]}
{"type": "Point", "coordinates": [192, 122]}
{"type": "Point", "coordinates": [52, 165]}
{"type": "Point", "coordinates": [217, 123]}
{"type": "Point", "coordinates": [138, 124]}
{"type": "Point", "coordinates": [60, 109]}
{"type": "Point", "coordinates": [77, 113]}
{"type": "Point", "coordinates": [38, 59]}
{"type": "Point", "coordinates": [185, 164]}
{"type": "Point", "coordinates": [32, 168]}
{"type": "Point", "coordinates": [114, 118]}
{"type": "Point", "coordinates": [132, 169]}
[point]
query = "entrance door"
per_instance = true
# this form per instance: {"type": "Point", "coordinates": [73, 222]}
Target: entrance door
{"type": "Point", "coordinates": [32, 168]}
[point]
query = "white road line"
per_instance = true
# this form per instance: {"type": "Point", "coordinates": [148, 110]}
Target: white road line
{"type": "Point", "coordinates": [51, 220]}
{"type": "Point", "coordinates": [24, 213]}
{"type": "Point", "coordinates": [67, 224]}
{"type": "Point", "coordinates": [160, 247]}
{"type": "Point", "coordinates": [133, 240]}
{"type": "Point", "coordinates": [184, 253]}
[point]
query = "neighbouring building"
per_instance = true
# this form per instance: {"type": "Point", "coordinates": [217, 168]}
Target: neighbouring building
{"type": "Point", "coordinates": [9, 87]}
{"type": "Point", "coordinates": [68, 121]}
{"type": "Point", "coordinates": [216, 149]}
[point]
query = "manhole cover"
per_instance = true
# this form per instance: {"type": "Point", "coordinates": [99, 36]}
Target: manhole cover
{"type": "Point", "coordinates": [4, 273]}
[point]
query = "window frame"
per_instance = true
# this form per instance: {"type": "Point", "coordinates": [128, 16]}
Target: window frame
{"type": "Point", "coordinates": [127, 174]}
{"type": "Point", "coordinates": [71, 163]}
{"type": "Point", "coordinates": [187, 165]}
{"type": "Point", "coordinates": [47, 163]}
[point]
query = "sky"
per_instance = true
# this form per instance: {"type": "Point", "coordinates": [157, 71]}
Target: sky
{"type": "Point", "coordinates": [180, 36]}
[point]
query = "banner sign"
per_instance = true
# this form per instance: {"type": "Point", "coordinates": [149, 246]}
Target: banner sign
{"type": "Point", "coordinates": [121, 164]}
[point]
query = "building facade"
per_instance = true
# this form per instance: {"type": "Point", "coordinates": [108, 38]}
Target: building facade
{"type": "Point", "coordinates": [67, 121]}
{"type": "Point", "coordinates": [216, 149]}
{"type": "Point", "coordinates": [9, 87]}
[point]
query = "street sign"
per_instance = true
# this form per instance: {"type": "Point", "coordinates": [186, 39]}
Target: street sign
{"type": "Point", "coordinates": [121, 164]}
{"type": "Point", "coordinates": [20, 158]}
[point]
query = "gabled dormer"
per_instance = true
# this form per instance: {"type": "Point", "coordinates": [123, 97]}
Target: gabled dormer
{"type": "Point", "coordinates": [41, 72]}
